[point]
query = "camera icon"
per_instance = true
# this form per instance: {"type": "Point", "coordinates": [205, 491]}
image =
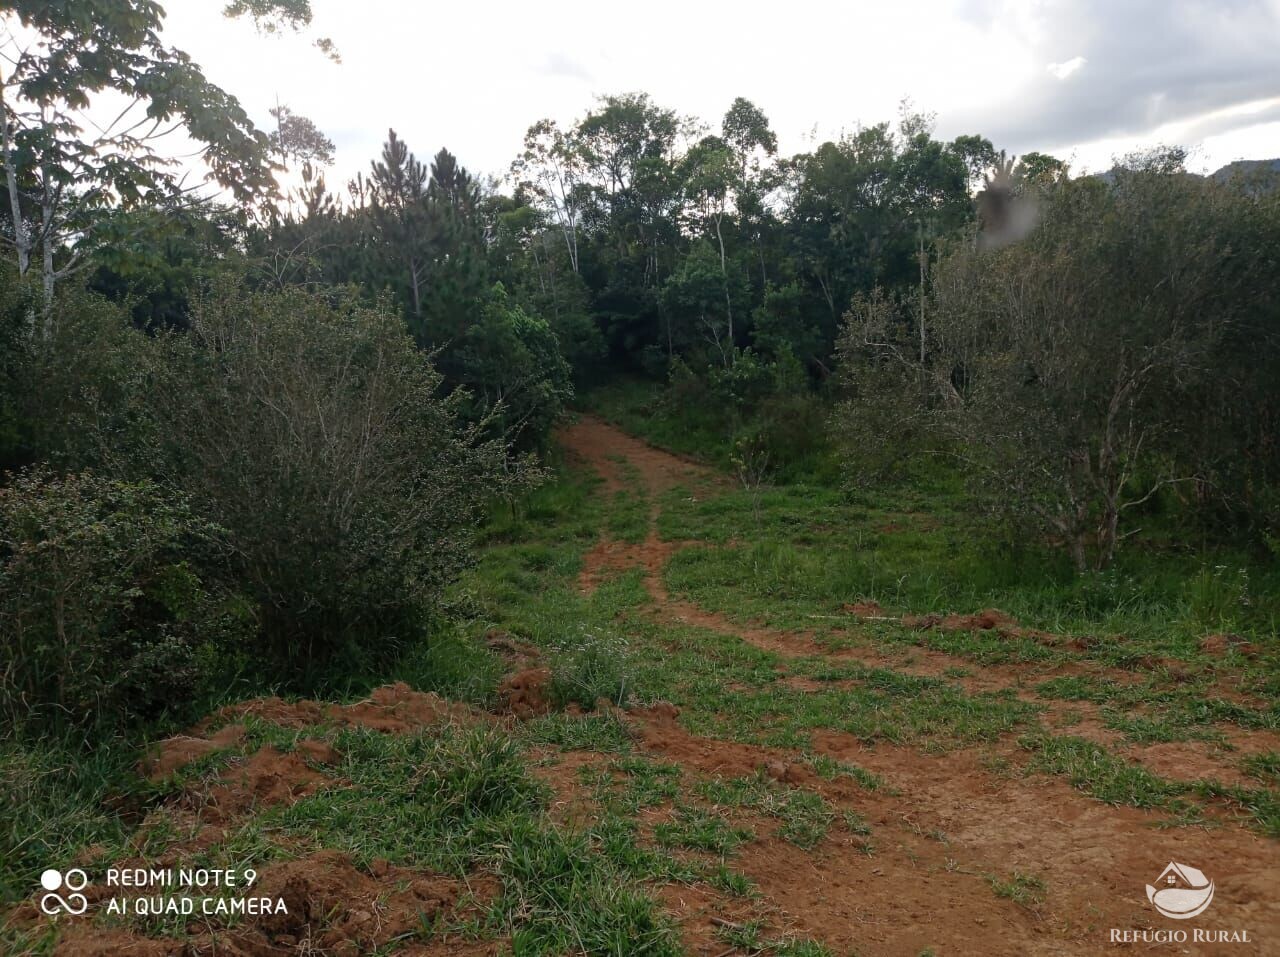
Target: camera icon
{"type": "Point", "coordinates": [74, 881]}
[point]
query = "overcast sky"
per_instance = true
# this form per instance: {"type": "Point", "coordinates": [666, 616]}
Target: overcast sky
{"type": "Point", "coordinates": [1085, 80]}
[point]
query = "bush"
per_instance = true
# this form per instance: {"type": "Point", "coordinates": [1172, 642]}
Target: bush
{"type": "Point", "coordinates": [101, 604]}
{"type": "Point", "coordinates": [589, 667]}
{"type": "Point", "coordinates": [312, 429]}
{"type": "Point", "coordinates": [15, 365]}
{"type": "Point", "coordinates": [510, 363]}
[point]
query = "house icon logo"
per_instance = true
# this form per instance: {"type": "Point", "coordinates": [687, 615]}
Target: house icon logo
{"type": "Point", "coordinates": [1180, 892]}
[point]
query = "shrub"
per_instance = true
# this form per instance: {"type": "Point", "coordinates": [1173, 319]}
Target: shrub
{"type": "Point", "coordinates": [510, 363]}
{"type": "Point", "coordinates": [101, 604]}
{"type": "Point", "coordinates": [588, 667]}
{"type": "Point", "coordinates": [312, 429]}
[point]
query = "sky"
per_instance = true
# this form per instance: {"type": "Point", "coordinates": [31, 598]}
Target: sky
{"type": "Point", "coordinates": [1084, 80]}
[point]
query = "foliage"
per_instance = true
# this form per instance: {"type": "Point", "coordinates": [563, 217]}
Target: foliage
{"type": "Point", "coordinates": [510, 364]}
{"type": "Point", "coordinates": [1068, 361]}
{"type": "Point", "coordinates": [102, 600]}
{"type": "Point", "coordinates": [587, 666]}
{"type": "Point", "coordinates": [311, 428]}
{"type": "Point", "coordinates": [59, 179]}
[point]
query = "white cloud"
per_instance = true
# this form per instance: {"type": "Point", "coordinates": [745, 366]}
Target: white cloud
{"type": "Point", "coordinates": [1066, 68]}
{"type": "Point", "coordinates": [473, 77]}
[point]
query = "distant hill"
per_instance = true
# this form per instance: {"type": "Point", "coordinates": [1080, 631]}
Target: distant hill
{"type": "Point", "coordinates": [1269, 167]}
{"type": "Point", "coordinates": [1257, 176]}
{"type": "Point", "coordinates": [1260, 176]}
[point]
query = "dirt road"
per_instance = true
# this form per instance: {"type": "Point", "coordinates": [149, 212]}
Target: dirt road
{"type": "Point", "coordinates": [960, 826]}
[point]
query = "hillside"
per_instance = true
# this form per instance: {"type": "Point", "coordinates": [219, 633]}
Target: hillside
{"type": "Point", "coordinates": [786, 774]}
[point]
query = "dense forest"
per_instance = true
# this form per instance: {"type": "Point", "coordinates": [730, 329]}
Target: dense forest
{"type": "Point", "coordinates": [253, 433]}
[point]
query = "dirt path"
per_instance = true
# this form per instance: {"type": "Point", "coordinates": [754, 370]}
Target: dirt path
{"type": "Point", "coordinates": [959, 822]}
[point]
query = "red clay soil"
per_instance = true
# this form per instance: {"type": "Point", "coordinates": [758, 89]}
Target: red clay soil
{"type": "Point", "coordinates": [266, 778]}
{"type": "Point", "coordinates": [599, 445]}
{"type": "Point", "coordinates": [955, 826]}
{"type": "Point", "coordinates": [950, 825]}
{"type": "Point", "coordinates": [1219, 645]}
{"type": "Point", "coordinates": [525, 693]}
{"type": "Point", "coordinates": [393, 708]}
{"type": "Point", "coordinates": [177, 752]}
{"type": "Point", "coordinates": [561, 771]}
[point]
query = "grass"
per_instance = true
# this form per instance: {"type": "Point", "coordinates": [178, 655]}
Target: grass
{"type": "Point", "coordinates": [1100, 774]}
{"type": "Point", "coordinates": [60, 797]}
{"type": "Point", "coordinates": [467, 800]}
{"type": "Point", "coordinates": [803, 817]}
{"type": "Point", "coordinates": [1025, 890]}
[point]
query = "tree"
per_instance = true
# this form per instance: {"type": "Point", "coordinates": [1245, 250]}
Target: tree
{"type": "Point", "coordinates": [977, 154]}
{"type": "Point", "coordinates": [59, 178]}
{"type": "Point", "coordinates": [1075, 356]}
{"type": "Point", "coordinates": [781, 327]}
{"type": "Point", "coordinates": [275, 16]}
{"type": "Point", "coordinates": [399, 214]}
{"type": "Point", "coordinates": [1040, 169]}
{"type": "Point", "coordinates": [700, 297]}
{"type": "Point", "coordinates": [550, 168]}
{"type": "Point", "coordinates": [711, 172]}
{"type": "Point", "coordinates": [843, 217]}
{"type": "Point", "coordinates": [298, 140]}
{"type": "Point", "coordinates": [745, 130]}
{"type": "Point", "coordinates": [931, 181]}
{"type": "Point", "coordinates": [628, 148]}
{"type": "Point", "coordinates": [509, 363]}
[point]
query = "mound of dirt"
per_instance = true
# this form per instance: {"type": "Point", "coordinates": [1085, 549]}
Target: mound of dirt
{"type": "Point", "coordinates": [339, 909]}
{"type": "Point", "coordinates": [790, 772]}
{"type": "Point", "coordinates": [267, 778]}
{"type": "Point", "coordinates": [864, 609]}
{"type": "Point", "coordinates": [397, 708]}
{"type": "Point", "coordinates": [989, 619]}
{"type": "Point", "coordinates": [286, 714]}
{"type": "Point", "coordinates": [525, 694]}
{"type": "Point", "coordinates": [168, 756]}
{"type": "Point", "coordinates": [1217, 646]}
{"type": "Point", "coordinates": [85, 940]}
{"type": "Point", "coordinates": [392, 708]}
{"type": "Point", "coordinates": [332, 908]}
{"type": "Point", "coordinates": [510, 647]}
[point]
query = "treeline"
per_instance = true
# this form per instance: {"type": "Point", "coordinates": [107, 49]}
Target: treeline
{"type": "Point", "coordinates": [1114, 356]}
{"type": "Point", "coordinates": [1081, 348]}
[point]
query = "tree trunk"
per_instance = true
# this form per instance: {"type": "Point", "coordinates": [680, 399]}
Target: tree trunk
{"type": "Point", "coordinates": [21, 241]}
{"type": "Point", "coordinates": [1079, 557]}
{"type": "Point", "coordinates": [46, 249]}
{"type": "Point", "coordinates": [724, 278]}
{"type": "Point", "coordinates": [920, 235]}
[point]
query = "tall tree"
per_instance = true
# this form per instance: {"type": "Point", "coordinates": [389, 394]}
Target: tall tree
{"type": "Point", "coordinates": [399, 215]}
{"type": "Point", "coordinates": [59, 177]}
{"type": "Point", "coordinates": [550, 168]}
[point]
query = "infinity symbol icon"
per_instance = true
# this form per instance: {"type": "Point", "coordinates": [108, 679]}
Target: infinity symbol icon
{"type": "Point", "coordinates": [74, 903]}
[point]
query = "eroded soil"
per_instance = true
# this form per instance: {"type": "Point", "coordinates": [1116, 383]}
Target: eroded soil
{"type": "Point", "coordinates": [946, 852]}
{"type": "Point", "coordinates": [958, 821]}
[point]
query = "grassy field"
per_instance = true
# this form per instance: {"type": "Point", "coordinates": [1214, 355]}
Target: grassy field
{"type": "Point", "coordinates": [760, 723]}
